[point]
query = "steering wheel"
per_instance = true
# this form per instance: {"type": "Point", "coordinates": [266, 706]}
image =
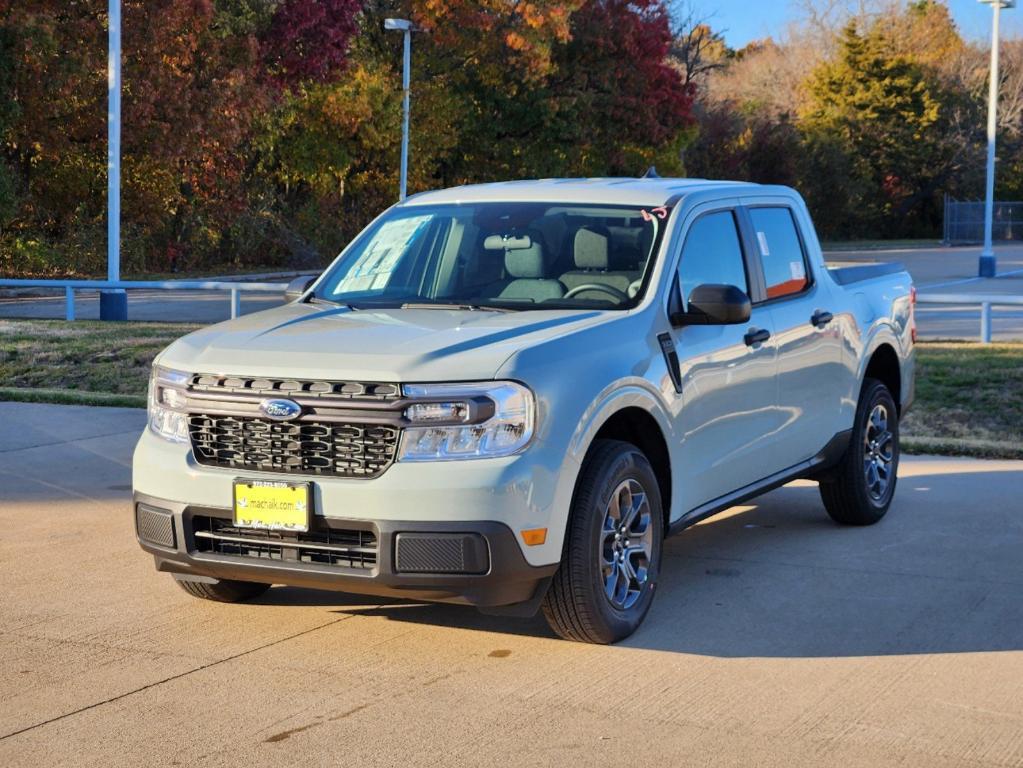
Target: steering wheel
{"type": "Point", "coordinates": [610, 290]}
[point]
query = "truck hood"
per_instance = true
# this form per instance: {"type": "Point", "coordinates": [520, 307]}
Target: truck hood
{"type": "Point", "coordinates": [399, 345]}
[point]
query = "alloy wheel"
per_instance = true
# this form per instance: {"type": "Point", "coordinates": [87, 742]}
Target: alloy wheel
{"type": "Point", "coordinates": [879, 453]}
{"type": "Point", "coordinates": [626, 546]}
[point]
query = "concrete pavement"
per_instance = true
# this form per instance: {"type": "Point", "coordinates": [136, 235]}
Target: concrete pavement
{"type": "Point", "coordinates": [940, 267]}
{"type": "Point", "coordinates": [777, 639]}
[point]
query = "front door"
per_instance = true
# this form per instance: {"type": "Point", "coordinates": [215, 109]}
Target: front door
{"type": "Point", "coordinates": [729, 409]}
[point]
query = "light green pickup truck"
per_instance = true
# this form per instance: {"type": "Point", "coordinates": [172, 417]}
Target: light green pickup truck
{"type": "Point", "coordinates": [507, 395]}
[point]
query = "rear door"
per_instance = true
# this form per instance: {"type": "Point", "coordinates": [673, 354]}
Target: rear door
{"type": "Point", "coordinates": [809, 351]}
{"type": "Point", "coordinates": [728, 380]}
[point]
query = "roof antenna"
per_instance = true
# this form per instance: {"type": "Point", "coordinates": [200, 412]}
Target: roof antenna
{"type": "Point", "coordinates": [651, 173]}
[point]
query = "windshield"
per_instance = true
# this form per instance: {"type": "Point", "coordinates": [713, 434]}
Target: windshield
{"type": "Point", "coordinates": [500, 256]}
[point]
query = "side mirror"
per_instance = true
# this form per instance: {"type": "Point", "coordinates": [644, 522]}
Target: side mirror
{"type": "Point", "coordinates": [714, 304]}
{"type": "Point", "coordinates": [297, 287]}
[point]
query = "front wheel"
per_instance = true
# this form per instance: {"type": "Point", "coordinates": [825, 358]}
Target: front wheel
{"type": "Point", "coordinates": [864, 484]}
{"type": "Point", "coordinates": [612, 554]}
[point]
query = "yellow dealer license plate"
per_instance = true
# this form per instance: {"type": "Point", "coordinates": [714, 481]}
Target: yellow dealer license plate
{"type": "Point", "coordinates": [271, 505]}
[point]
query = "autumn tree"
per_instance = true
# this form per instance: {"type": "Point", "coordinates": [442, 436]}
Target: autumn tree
{"type": "Point", "coordinates": [887, 113]}
{"type": "Point", "coordinates": [52, 115]}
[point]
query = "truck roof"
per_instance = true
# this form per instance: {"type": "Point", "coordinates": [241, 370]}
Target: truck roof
{"type": "Point", "coordinates": [614, 191]}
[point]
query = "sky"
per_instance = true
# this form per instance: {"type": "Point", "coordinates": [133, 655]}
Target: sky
{"type": "Point", "coordinates": [746, 20]}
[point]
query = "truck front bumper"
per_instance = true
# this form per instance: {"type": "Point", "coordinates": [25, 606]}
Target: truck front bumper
{"type": "Point", "coordinates": [477, 563]}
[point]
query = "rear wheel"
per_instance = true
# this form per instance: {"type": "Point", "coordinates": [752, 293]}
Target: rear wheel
{"type": "Point", "coordinates": [611, 560]}
{"type": "Point", "coordinates": [864, 484]}
{"type": "Point", "coordinates": [223, 590]}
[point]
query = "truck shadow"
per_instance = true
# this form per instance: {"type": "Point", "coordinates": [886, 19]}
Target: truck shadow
{"type": "Point", "coordinates": [940, 574]}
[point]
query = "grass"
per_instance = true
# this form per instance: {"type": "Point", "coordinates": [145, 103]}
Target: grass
{"type": "Point", "coordinates": [71, 397]}
{"type": "Point", "coordinates": [969, 397]}
{"type": "Point", "coordinates": [969, 400]}
{"type": "Point", "coordinates": [84, 362]}
{"type": "Point", "coordinates": [225, 271]}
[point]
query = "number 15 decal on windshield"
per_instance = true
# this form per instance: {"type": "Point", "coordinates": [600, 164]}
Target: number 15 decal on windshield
{"type": "Point", "coordinates": [660, 212]}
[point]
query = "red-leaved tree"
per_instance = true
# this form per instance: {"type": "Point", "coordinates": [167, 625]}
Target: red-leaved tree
{"type": "Point", "coordinates": [309, 39]}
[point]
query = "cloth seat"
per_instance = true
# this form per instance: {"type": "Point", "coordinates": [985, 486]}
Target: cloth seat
{"type": "Point", "coordinates": [592, 258]}
{"type": "Point", "coordinates": [526, 276]}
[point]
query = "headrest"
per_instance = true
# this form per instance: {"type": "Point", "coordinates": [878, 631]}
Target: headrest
{"type": "Point", "coordinates": [526, 263]}
{"type": "Point", "coordinates": [591, 248]}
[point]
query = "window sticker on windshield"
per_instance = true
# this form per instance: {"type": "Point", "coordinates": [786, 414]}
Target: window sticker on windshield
{"type": "Point", "coordinates": [763, 244]}
{"type": "Point", "coordinates": [797, 270]}
{"type": "Point", "coordinates": [377, 262]}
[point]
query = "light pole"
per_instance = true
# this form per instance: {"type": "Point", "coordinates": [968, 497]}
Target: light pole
{"type": "Point", "coordinates": [988, 264]}
{"type": "Point", "coordinates": [113, 304]}
{"type": "Point", "coordinates": [405, 26]}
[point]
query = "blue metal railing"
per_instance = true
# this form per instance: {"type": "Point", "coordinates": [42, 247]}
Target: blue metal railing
{"type": "Point", "coordinates": [235, 289]}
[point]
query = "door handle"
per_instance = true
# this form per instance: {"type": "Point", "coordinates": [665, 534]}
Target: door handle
{"type": "Point", "coordinates": [821, 318]}
{"type": "Point", "coordinates": [756, 336]}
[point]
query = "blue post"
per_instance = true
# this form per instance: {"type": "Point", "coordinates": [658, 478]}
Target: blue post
{"type": "Point", "coordinates": [988, 264]}
{"type": "Point", "coordinates": [405, 77]}
{"type": "Point", "coordinates": [113, 305]}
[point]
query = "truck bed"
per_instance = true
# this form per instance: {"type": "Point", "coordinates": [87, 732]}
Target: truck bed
{"type": "Point", "coordinates": [860, 272]}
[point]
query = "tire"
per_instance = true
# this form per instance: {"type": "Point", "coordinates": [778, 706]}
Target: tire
{"type": "Point", "coordinates": [598, 558]}
{"type": "Point", "coordinates": [864, 482]}
{"type": "Point", "coordinates": [223, 590]}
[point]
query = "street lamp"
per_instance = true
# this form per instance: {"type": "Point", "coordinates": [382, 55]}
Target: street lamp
{"type": "Point", "coordinates": [113, 304]}
{"type": "Point", "coordinates": [988, 265]}
{"type": "Point", "coordinates": [404, 26]}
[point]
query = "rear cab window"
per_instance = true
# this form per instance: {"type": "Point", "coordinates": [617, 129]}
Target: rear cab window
{"type": "Point", "coordinates": [781, 252]}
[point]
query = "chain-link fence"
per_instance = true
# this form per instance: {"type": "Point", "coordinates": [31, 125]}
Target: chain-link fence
{"type": "Point", "coordinates": [964, 221]}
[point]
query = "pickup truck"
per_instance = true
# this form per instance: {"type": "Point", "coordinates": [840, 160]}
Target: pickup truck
{"type": "Point", "coordinates": [507, 395]}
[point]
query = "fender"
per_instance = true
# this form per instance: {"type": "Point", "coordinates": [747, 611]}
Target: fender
{"type": "Point", "coordinates": [632, 393]}
{"type": "Point", "coordinates": [882, 332]}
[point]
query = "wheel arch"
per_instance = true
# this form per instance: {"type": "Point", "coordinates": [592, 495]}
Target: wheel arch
{"type": "Point", "coordinates": [635, 416]}
{"type": "Point", "coordinates": [883, 364]}
{"type": "Point", "coordinates": [636, 426]}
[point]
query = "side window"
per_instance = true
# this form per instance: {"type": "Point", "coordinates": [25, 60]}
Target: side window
{"type": "Point", "coordinates": [712, 254]}
{"type": "Point", "coordinates": [781, 253]}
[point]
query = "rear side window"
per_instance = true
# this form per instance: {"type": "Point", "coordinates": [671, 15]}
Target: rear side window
{"type": "Point", "coordinates": [781, 252]}
{"type": "Point", "coordinates": [712, 254]}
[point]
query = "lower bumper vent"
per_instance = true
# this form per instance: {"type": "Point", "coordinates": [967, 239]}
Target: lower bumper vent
{"type": "Point", "coordinates": [155, 526]}
{"type": "Point", "coordinates": [441, 553]}
{"type": "Point", "coordinates": [331, 547]}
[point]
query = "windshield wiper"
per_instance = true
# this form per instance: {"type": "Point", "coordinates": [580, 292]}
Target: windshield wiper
{"type": "Point", "coordinates": [467, 307]}
{"type": "Point", "coordinates": [321, 300]}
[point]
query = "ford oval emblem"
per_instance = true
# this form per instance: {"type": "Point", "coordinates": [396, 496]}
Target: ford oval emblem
{"type": "Point", "coordinates": [280, 410]}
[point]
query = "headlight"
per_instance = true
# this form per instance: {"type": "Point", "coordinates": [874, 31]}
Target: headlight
{"type": "Point", "coordinates": [167, 399]}
{"type": "Point", "coordinates": [466, 421]}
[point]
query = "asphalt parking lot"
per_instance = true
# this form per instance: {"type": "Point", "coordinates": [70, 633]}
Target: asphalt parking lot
{"type": "Point", "coordinates": [777, 639]}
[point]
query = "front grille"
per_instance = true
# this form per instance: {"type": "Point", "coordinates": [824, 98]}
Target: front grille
{"type": "Point", "coordinates": [332, 390]}
{"type": "Point", "coordinates": [305, 447]}
{"type": "Point", "coordinates": [331, 547]}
